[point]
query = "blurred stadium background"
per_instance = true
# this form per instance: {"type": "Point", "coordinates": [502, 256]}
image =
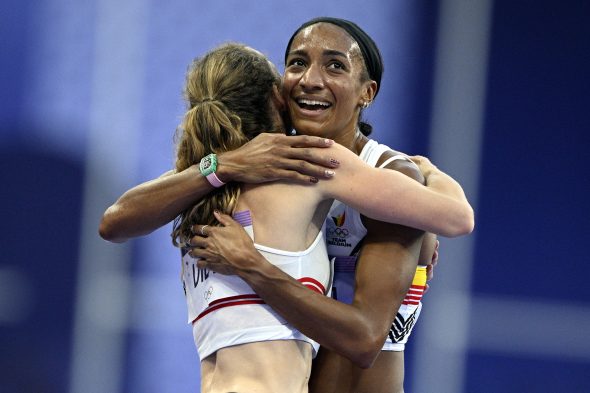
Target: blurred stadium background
{"type": "Point", "coordinates": [495, 92]}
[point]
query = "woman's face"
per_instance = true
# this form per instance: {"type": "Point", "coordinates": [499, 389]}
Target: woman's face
{"type": "Point", "coordinates": [322, 82]}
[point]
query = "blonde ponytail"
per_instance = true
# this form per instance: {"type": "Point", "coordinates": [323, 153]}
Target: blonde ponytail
{"type": "Point", "coordinates": [228, 92]}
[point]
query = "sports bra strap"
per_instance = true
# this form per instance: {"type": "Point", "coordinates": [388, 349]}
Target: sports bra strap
{"type": "Point", "coordinates": [394, 158]}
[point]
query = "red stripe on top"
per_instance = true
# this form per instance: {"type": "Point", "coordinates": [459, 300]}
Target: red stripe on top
{"type": "Point", "coordinates": [318, 284]}
{"type": "Point", "coordinates": [418, 287]}
{"type": "Point", "coordinates": [313, 288]}
{"type": "Point", "coordinates": [252, 298]}
{"type": "Point", "coordinates": [227, 304]}
{"type": "Point", "coordinates": [237, 297]}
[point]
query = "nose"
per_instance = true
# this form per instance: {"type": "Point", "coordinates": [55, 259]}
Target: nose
{"type": "Point", "coordinates": [312, 78]}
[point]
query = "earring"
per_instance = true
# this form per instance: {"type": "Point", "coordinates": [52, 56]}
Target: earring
{"type": "Point", "coordinates": [366, 104]}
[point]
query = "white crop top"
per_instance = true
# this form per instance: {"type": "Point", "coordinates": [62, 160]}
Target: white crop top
{"type": "Point", "coordinates": [226, 311]}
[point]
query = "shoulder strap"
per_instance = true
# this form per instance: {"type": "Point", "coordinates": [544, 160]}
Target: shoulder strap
{"type": "Point", "coordinates": [395, 158]}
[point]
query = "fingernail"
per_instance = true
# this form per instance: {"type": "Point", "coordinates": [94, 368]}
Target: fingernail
{"type": "Point", "coordinates": [334, 162]}
{"type": "Point", "coordinates": [216, 211]}
{"type": "Point", "coordinates": [328, 142]}
{"type": "Point", "coordinates": [329, 173]}
{"type": "Point", "coordinates": [313, 179]}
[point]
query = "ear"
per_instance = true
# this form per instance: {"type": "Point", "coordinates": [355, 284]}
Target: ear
{"type": "Point", "coordinates": [278, 99]}
{"type": "Point", "coordinates": [369, 91]}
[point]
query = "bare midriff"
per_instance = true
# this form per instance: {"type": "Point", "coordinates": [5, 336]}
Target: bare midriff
{"type": "Point", "coordinates": [262, 367]}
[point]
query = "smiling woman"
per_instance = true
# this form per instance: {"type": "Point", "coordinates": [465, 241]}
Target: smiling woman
{"type": "Point", "coordinates": [261, 336]}
{"type": "Point", "coordinates": [332, 73]}
{"type": "Point", "coordinates": [340, 79]}
{"type": "Point", "coordinates": [230, 91]}
{"type": "Point", "coordinates": [326, 87]}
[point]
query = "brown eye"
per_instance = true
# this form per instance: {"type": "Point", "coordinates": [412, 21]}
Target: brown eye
{"type": "Point", "coordinates": [296, 62]}
{"type": "Point", "coordinates": [336, 65]}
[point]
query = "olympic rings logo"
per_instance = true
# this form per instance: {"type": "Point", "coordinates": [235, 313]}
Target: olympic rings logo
{"type": "Point", "coordinates": [339, 232]}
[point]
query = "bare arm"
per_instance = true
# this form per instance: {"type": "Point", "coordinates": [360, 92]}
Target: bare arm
{"type": "Point", "coordinates": [441, 207]}
{"type": "Point", "coordinates": [356, 331]}
{"type": "Point", "coordinates": [150, 205]}
{"type": "Point", "coordinates": [268, 157]}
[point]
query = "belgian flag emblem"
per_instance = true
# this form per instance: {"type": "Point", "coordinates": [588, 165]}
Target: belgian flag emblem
{"type": "Point", "coordinates": [339, 220]}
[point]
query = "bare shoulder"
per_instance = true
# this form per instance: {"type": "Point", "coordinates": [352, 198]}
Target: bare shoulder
{"type": "Point", "coordinates": [341, 152]}
{"type": "Point", "coordinates": [400, 162]}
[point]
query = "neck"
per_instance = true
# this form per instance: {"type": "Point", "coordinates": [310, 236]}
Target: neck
{"type": "Point", "coordinates": [353, 140]}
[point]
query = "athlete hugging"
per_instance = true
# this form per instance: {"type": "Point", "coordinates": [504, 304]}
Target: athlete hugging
{"type": "Point", "coordinates": [257, 322]}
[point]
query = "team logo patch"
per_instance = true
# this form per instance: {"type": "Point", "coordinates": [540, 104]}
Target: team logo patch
{"type": "Point", "coordinates": [336, 236]}
{"type": "Point", "coordinates": [339, 220]}
{"type": "Point", "coordinates": [338, 232]}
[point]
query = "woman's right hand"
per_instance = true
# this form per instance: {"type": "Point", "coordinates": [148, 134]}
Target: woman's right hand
{"type": "Point", "coordinates": [270, 157]}
{"type": "Point", "coordinates": [425, 166]}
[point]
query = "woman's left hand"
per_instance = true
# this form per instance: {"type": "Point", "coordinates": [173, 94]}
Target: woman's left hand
{"type": "Point", "coordinates": [226, 249]}
{"type": "Point", "coordinates": [430, 267]}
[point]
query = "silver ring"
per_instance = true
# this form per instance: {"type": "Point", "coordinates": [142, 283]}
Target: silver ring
{"type": "Point", "coordinates": [203, 230]}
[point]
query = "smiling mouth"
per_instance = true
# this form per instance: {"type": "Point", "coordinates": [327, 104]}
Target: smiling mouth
{"type": "Point", "coordinates": [313, 105]}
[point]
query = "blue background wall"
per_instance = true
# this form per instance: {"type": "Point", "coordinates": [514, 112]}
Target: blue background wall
{"type": "Point", "coordinates": [91, 96]}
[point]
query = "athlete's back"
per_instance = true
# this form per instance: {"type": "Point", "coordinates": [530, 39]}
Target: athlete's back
{"type": "Point", "coordinates": [287, 222]}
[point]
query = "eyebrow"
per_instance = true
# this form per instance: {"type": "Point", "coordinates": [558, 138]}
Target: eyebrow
{"type": "Point", "coordinates": [327, 52]}
{"type": "Point", "coordinates": [331, 52]}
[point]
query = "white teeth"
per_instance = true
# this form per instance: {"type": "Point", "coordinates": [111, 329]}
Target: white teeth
{"type": "Point", "coordinates": [313, 102]}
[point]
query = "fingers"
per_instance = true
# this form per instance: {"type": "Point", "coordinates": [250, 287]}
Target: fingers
{"type": "Point", "coordinates": [307, 141]}
{"type": "Point", "coordinates": [305, 162]}
{"type": "Point", "coordinates": [293, 140]}
{"type": "Point", "coordinates": [202, 230]}
{"type": "Point", "coordinates": [201, 254]}
{"type": "Point", "coordinates": [198, 241]}
{"type": "Point", "coordinates": [223, 218]}
{"type": "Point", "coordinates": [311, 155]}
{"type": "Point", "coordinates": [303, 171]}
{"type": "Point", "coordinates": [422, 162]}
{"type": "Point", "coordinates": [299, 155]}
{"type": "Point", "coordinates": [429, 272]}
{"type": "Point", "coordinates": [302, 159]}
{"type": "Point", "coordinates": [203, 248]}
{"type": "Point", "coordinates": [419, 159]}
{"type": "Point", "coordinates": [435, 254]}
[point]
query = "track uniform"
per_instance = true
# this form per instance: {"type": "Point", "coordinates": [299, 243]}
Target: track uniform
{"type": "Point", "coordinates": [344, 234]}
{"type": "Point", "coordinates": [225, 311]}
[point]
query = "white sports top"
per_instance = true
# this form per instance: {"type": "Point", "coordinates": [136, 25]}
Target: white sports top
{"type": "Point", "coordinates": [345, 229]}
{"type": "Point", "coordinates": [226, 311]}
{"type": "Point", "coordinates": [344, 234]}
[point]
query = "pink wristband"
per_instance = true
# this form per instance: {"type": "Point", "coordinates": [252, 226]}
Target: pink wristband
{"type": "Point", "coordinates": [214, 180]}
